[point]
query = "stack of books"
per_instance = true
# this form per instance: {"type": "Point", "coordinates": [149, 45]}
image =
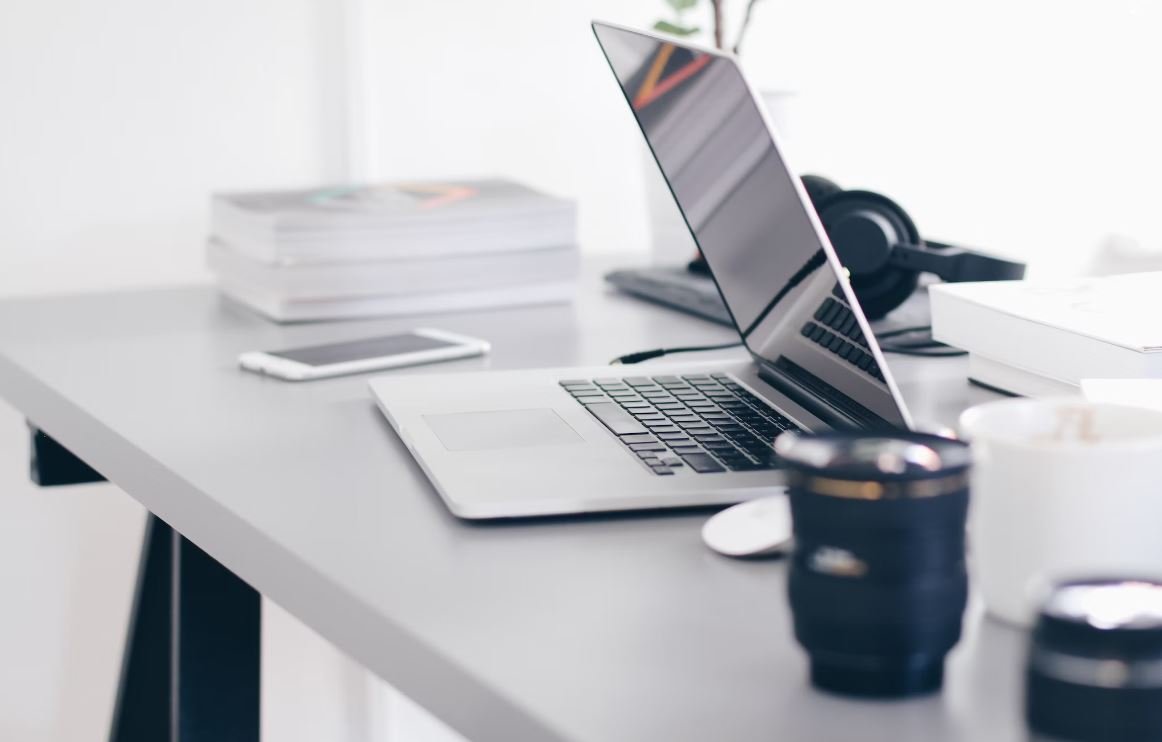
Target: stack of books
{"type": "Point", "coordinates": [393, 249]}
{"type": "Point", "coordinates": [1043, 338]}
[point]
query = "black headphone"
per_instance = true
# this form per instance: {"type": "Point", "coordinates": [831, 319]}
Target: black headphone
{"type": "Point", "coordinates": [883, 252]}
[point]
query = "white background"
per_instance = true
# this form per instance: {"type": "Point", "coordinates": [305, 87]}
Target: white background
{"type": "Point", "coordinates": [1029, 127]}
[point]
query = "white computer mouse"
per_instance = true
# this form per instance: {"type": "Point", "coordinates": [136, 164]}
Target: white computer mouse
{"type": "Point", "coordinates": [754, 528]}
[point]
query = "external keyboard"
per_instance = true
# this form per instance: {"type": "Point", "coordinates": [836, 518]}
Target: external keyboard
{"type": "Point", "coordinates": [705, 422]}
{"type": "Point", "coordinates": [676, 287]}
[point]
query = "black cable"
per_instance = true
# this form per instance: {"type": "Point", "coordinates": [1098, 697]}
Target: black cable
{"type": "Point", "coordinates": [646, 355]}
{"type": "Point", "coordinates": [922, 348]}
{"type": "Point", "coordinates": [932, 352]}
{"type": "Point", "coordinates": [902, 331]}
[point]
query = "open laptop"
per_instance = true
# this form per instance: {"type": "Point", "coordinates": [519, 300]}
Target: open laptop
{"type": "Point", "coordinates": [570, 440]}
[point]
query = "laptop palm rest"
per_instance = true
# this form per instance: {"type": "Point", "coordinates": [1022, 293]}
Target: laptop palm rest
{"type": "Point", "coordinates": [478, 431]}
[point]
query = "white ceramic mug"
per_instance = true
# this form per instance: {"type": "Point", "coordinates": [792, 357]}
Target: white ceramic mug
{"type": "Point", "coordinates": [1061, 488]}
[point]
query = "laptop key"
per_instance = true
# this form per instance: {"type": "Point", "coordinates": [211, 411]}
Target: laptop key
{"type": "Point", "coordinates": [662, 469]}
{"type": "Point", "coordinates": [640, 447]}
{"type": "Point", "coordinates": [703, 463]}
{"type": "Point", "coordinates": [747, 440]}
{"type": "Point", "coordinates": [616, 419]}
{"type": "Point", "coordinates": [683, 450]}
{"type": "Point", "coordinates": [730, 458]}
{"type": "Point", "coordinates": [745, 465]}
{"type": "Point", "coordinates": [643, 437]}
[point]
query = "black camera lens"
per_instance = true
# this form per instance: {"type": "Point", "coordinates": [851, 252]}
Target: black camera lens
{"type": "Point", "coordinates": [878, 582]}
{"type": "Point", "coordinates": [1095, 663]}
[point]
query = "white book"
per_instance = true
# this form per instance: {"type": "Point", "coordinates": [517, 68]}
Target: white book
{"type": "Point", "coordinates": [333, 246]}
{"type": "Point", "coordinates": [394, 219]}
{"type": "Point", "coordinates": [333, 280]}
{"type": "Point", "coordinates": [286, 310]}
{"type": "Point", "coordinates": [1002, 377]}
{"type": "Point", "coordinates": [1064, 331]}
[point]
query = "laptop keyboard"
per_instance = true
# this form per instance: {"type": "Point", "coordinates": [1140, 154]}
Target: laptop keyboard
{"type": "Point", "coordinates": [835, 328]}
{"type": "Point", "coordinates": [704, 422]}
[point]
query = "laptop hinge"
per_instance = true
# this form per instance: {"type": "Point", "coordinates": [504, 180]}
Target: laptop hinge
{"type": "Point", "coordinates": [809, 391]}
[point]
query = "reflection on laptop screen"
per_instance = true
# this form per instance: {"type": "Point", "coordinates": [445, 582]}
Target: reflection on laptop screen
{"type": "Point", "coordinates": [752, 226]}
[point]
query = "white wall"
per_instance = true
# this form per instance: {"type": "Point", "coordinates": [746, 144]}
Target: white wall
{"type": "Point", "coordinates": [67, 561]}
{"type": "Point", "coordinates": [119, 117]}
{"type": "Point", "coordinates": [517, 87]}
{"type": "Point", "coordinates": [1026, 127]}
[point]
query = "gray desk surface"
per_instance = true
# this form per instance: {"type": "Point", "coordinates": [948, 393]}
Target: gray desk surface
{"type": "Point", "coordinates": [597, 629]}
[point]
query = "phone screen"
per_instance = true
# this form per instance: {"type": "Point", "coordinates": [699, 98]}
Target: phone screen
{"type": "Point", "coordinates": [359, 350]}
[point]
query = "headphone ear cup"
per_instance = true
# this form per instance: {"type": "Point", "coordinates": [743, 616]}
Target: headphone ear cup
{"type": "Point", "coordinates": [881, 292]}
{"type": "Point", "coordinates": [865, 227]}
{"type": "Point", "coordinates": [820, 189]}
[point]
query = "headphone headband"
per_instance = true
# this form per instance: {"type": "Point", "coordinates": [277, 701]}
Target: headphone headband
{"type": "Point", "coordinates": [883, 252]}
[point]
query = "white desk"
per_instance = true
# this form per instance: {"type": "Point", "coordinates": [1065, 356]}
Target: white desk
{"type": "Point", "coordinates": [591, 629]}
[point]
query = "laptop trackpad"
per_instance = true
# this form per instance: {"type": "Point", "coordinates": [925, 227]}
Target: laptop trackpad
{"type": "Point", "coordinates": [475, 431]}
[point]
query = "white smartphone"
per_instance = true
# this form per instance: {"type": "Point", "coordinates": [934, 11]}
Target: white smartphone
{"type": "Point", "coordinates": [372, 354]}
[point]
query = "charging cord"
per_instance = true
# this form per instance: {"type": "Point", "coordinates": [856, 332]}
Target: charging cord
{"type": "Point", "coordinates": [645, 355]}
{"type": "Point", "coordinates": [926, 348]}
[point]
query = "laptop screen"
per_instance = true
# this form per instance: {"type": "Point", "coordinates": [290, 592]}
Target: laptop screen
{"type": "Point", "coordinates": [777, 275]}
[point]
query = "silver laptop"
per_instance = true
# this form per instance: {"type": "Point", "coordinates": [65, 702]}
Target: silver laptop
{"type": "Point", "coordinates": [571, 440]}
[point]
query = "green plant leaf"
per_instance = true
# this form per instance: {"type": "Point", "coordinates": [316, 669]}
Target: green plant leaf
{"type": "Point", "coordinates": [681, 6]}
{"type": "Point", "coordinates": [676, 30]}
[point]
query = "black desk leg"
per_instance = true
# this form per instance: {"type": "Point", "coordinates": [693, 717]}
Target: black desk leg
{"type": "Point", "coordinates": [50, 464]}
{"type": "Point", "coordinates": [141, 711]}
{"type": "Point", "coordinates": [216, 650]}
{"type": "Point", "coordinates": [191, 666]}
